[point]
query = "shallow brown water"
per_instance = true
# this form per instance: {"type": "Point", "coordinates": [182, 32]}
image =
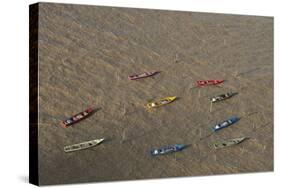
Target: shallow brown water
{"type": "Point", "coordinates": [85, 56]}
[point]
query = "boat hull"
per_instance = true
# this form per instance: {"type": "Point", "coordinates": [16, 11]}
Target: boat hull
{"type": "Point", "coordinates": [222, 97]}
{"type": "Point", "coordinates": [161, 102]}
{"type": "Point", "coordinates": [227, 143]}
{"type": "Point", "coordinates": [143, 75]}
{"type": "Point", "coordinates": [225, 123]}
{"type": "Point", "coordinates": [168, 149]}
{"type": "Point", "coordinates": [201, 83]}
{"type": "Point", "coordinates": [76, 118]}
{"type": "Point", "coordinates": [82, 145]}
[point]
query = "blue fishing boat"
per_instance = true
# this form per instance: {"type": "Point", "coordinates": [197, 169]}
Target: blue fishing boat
{"type": "Point", "coordinates": [225, 123]}
{"type": "Point", "coordinates": [168, 149]}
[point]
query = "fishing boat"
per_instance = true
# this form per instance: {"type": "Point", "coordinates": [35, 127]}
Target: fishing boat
{"type": "Point", "coordinates": [225, 123]}
{"type": "Point", "coordinates": [77, 117]}
{"type": "Point", "coordinates": [161, 102]}
{"type": "Point", "coordinates": [201, 83]}
{"type": "Point", "coordinates": [168, 149]}
{"type": "Point", "coordinates": [222, 97]}
{"type": "Point", "coordinates": [83, 145]}
{"type": "Point", "coordinates": [142, 75]}
{"type": "Point", "coordinates": [230, 142]}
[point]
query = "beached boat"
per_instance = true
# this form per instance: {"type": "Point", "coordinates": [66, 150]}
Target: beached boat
{"type": "Point", "coordinates": [77, 117]}
{"type": "Point", "coordinates": [168, 149]}
{"type": "Point", "coordinates": [161, 102]}
{"type": "Point", "coordinates": [230, 142]}
{"type": "Point", "coordinates": [222, 97]}
{"type": "Point", "coordinates": [143, 75]}
{"type": "Point", "coordinates": [208, 82]}
{"type": "Point", "coordinates": [82, 145]}
{"type": "Point", "coordinates": [225, 123]}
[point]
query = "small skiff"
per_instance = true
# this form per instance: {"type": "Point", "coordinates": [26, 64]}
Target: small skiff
{"type": "Point", "coordinates": [161, 102]}
{"type": "Point", "coordinates": [168, 149]}
{"type": "Point", "coordinates": [222, 97]}
{"type": "Point", "coordinates": [201, 83]}
{"type": "Point", "coordinates": [230, 142]}
{"type": "Point", "coordinates": [225, 123]}
{"type": "Point", "coordinates": [77, 117]}
{"type": "Point", "coordinates": [143, 75]}
{"type": "Point", "coordinates": [82, 145]}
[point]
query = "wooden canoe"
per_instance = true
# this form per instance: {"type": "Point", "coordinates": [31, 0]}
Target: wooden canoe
{"type": "Point", "coordinates": [225, 123]}
{"type": "Point", "coordinates": [161, 102]}
{"type": "Point", "coordinates": [222, 97]}
{"type": "Point", "coordinates": [230, 142]}
{"type": "Point", "coordinates": [142, 75]}
{"type": "Point", "coordinates": [77, 117]}
{"type": "Point", "coordinates": [82, 145]}
{"type": "Point", "coordinates": [201, 83]}
{"type": "Point", "coordinates": [168, 149]}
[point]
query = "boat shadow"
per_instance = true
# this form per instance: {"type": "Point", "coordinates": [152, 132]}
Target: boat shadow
{"type": "Point", "coordinates": [106, 140]}
{"type": "Point", "coordinates": [95, 110]}
{"type": "Point", "coordinates": [186, 146]}
{"type": "Point", "coordinates": [178, 98]}
{"type": "Point", "coordinates": [153, 75]}
{"type": "Point", "coordinates": [234, 93]}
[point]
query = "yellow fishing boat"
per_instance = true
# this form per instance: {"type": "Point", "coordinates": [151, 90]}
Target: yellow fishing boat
{"type": "Point", "coordinates": [161, 102]}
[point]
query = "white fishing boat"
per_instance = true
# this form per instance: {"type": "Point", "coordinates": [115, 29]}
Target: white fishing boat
{"type": "Point", "coordinates": [83, 145]}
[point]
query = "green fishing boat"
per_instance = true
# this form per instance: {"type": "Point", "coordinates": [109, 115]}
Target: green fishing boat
{"type": "Point", "coordinates": [230, 142]}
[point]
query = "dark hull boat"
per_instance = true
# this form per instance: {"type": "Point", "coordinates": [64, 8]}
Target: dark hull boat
{"type": "Point", "coordinates": [225, 123]}
{"type": "Point", "coordinates": [168, 149]}
{"type": "Point", "coordinates": [143, 75]}
{"type": "Point", "coordinates": [77, 117]}
{"type": "Point", "coordinates": [201, 83]}
{"type": "Point", "coordinates": [222, 97]}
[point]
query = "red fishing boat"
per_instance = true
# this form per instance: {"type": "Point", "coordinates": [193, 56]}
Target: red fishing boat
{"type": "Point", "coordinates": [143, 75]}
{"type": "Point", "coordinates": [208, 82]}
{"type": "Point", "coordinates": [77, 117]}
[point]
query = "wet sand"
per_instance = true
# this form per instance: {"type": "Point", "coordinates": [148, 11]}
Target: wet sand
{"type": "Point", "coordinates": [85, 56]}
